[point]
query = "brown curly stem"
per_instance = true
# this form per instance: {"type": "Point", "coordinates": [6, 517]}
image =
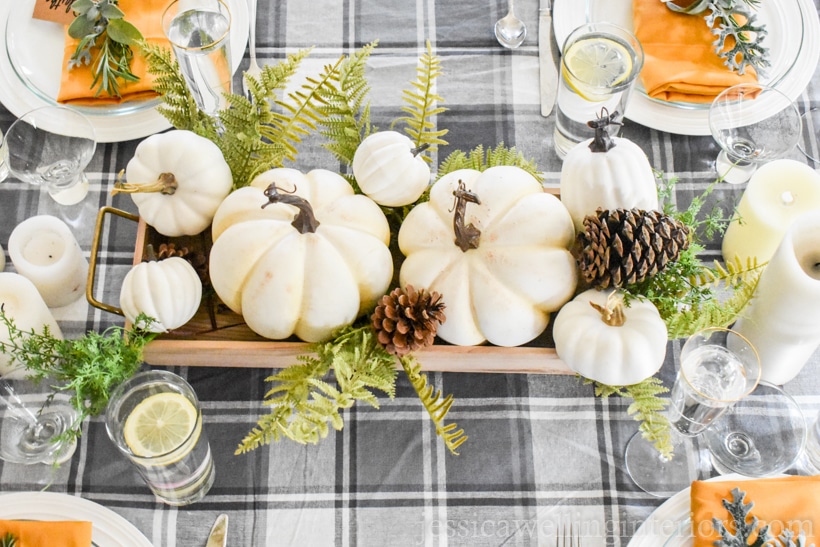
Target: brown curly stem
{"type": "Point", "coordinates": [602, 142]}
{"type": "Point", "coordinates": [612, 312]}
{"type": "Point", "coordinates": [419, 149]}
{"type": "Point", "coordinates": [165, 184]}
{"type": "Point", "coordinates": [304, 221]}
{"type": "Point", "coordinates": [467, 237]}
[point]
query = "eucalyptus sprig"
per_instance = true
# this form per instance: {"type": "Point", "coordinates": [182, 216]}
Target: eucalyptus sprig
{"type": "Point", "coordinates": [737, 20]}
{"type": "Point", "coordinates": [89, 367]}
{"type": "Point", "coordinates": [105, 40]}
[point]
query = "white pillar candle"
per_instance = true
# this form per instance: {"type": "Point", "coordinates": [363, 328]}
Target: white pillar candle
{"type": "Point", "coordinates": [43, 250]}
{"type": "Point", "coordinates": [783, 318]}
{"type": "Point", "coordinates": [777, 193]}
{"type": "Point", "coordinates": [23, 304]}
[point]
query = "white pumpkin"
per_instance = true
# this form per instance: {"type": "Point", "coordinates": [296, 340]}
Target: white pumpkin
{"type": "Point", "coordinates": [177, 180]}
{"type": "Point", "coordinates": [169, 291]}
{"type": "Point", "coordinates": [285, 279]}
{"type": "Point", "coordinates": [606, 172]}
{"type": "Point", "coordinates": [521, 270]}
{"type": "Point", "coordinates": [390, 169]}
{"type": "Point", "coordinates": [600, 339]}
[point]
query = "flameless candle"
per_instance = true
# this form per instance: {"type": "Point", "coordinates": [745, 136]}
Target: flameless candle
{"type": "Point", "coordinates": [22, 303]}
{"type": "Point", "coordinates": [776, 194]}
{"type": "Point", "coordinates": [43, 250]}
{"type": "Point", "coordinates": [783, 318]}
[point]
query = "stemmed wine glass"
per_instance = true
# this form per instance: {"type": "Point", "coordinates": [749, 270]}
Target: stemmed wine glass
{"type": "Point", "coordinates": [718, 367]}
{"type": "Point", "coordinates": [752, 123]}
{"type": "Point", "coordinates": [30, 422]}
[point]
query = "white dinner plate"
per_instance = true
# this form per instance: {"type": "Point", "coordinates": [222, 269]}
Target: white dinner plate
{"type": "Point", "coordinates": [108, 528]}
{"type": "Point", "coordinates": [31, 53]}
{"type": "Point", "coordinates": [793, 39]}
{"type": "Point", "coordinates": [669, 524]}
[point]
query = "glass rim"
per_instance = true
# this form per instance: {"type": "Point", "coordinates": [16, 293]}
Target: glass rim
{"type": "Point", "coordinates": [752, 385]}
{"type": "Point", "coordinates": [77, 116]}
{"type": "Point", "coordinates": [612, 30]}
{"type": "Point", "coordinates": [173, 7]}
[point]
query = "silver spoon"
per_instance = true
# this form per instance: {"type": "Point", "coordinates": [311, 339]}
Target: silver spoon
{"type": "Point", "coordinates": [510, 31]}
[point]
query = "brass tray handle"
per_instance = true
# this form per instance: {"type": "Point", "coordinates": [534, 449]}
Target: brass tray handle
{"type": "Point", "coordinates": [92, 263]}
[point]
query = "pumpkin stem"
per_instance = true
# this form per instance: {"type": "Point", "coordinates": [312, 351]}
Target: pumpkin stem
{"type": "Point", "coordinates": [612, 312]}
{"type": "Point", "coordinates": [165, 184]}
{"type": "Point", "coordinates": [419, 149]}
{"type": "Point", "coordinates": [602, 142]}
{"type": "Point", "coordinates": [466, 236]}
{"type": "Point", "coordinates": [304, 221]}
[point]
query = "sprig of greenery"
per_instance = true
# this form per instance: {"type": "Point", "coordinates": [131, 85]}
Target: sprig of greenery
{"type": "Point", "coordinates": [422, 104]}
{"type": "Point", "coordinates": [89, 367]}
{"type": "Point", "coordinates": [100, 26]}
{"type": "Point", "coordinates": [480, 159]}
{"type": "Point", "coordinates": [304, 405]}
{"type": "Point", "coordinates": [8, 540]}
{"type": "Point", "coordinates": [647, 407]}
{"type": "Point", "coordinates": [737, 20]}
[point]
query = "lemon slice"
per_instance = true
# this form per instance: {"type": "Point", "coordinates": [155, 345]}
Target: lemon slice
{"type": "Point", "coordinates": [594, 64]}
{"type": "Point", "coordinates": [160, 424]}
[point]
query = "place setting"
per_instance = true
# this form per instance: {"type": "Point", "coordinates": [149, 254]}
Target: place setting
{"type": "Point", "coordinates": [325, 295]}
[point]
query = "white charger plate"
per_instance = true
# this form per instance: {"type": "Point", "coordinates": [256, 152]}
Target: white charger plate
{"type": "Point", "coordinates": [31, 54]}
{"type": "Point", "coordinates": [108, 528]}
{"type": "Point", "coordinates": [793, 39]}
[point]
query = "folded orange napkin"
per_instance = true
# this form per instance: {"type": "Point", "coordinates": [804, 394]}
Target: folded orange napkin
{"type": "Point", "coordinates": [75, 84]}
{"type": "Point", "coordinates": [781, 502]}
{"type": "Point", "coordinates": [680, 63]}
{"type": "Point", "coordinates": [41, 533]}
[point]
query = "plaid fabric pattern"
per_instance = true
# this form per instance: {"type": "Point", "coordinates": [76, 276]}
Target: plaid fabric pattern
{"type": "Point", "coordinates": [543, 450]}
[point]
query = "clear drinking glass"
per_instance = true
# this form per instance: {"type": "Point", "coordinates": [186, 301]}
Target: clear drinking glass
{"type": "Point", "coordinates": [199, 32]}
{"type": "Point", "coordinates": [30, 421]}
{"type": "Point", "coordinates": [718, 367]}
{"type": "Point", "coordinates": [51, 146]}
{"type": "Point", "coordinates": [599, 64]}
{"type": "Point", "coordinates": [752, 123]}
{"type": "Point", "coordinates": [4, 162]}
{"type": "Point", "coordinates": [761, 435]}
{"type": "Point", "coordinates": [182, 471]}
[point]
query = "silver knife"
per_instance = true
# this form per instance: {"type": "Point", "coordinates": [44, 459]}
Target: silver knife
{"type": "Point", "coordinates": [219, 532]}
{"type": "Point", "coordinates": [548, 74]}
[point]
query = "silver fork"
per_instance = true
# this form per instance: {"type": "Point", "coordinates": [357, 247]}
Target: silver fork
{"type": "Point", "coordinates": [253, 68]}
{"type": "Point", "coordinates": [565, 536]}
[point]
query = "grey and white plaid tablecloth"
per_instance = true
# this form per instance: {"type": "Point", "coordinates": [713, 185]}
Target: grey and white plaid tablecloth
{"type": "Point", "coordinates": [542, 452]}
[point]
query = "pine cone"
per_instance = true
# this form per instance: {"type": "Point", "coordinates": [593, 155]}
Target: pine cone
{"type": "Point", "coordinates": [622, 247]}
{"type": "Point", "coordinates": [407, 320]}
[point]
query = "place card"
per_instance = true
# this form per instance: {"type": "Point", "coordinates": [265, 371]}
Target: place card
{"type": "Point", "coordinates": [57, 11]}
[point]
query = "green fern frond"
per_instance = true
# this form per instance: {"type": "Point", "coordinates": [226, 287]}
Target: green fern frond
{"type": "Point", "coordinates": [421, 104]}
{"type": "Point", "coordinates": [647, 407]}
{"type": "Point", "coordinates": [480, 159]}
{"type": "Point", "coordinates": [436, 407]}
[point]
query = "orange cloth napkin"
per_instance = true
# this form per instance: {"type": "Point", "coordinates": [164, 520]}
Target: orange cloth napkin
{"type": "Point", "coordinates": [32, 533]}
{"type": "Point", "coordinates": [680, 63]}
{"type": "Point", "coordinates": [792, 502]}
{"type": "Point", "coordinates": [75, 84]}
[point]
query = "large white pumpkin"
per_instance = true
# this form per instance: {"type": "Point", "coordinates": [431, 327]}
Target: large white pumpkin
{"type": "Point", "coordinates": [285, 282]}
{"type": "Point", "coordinates": [504, 290]}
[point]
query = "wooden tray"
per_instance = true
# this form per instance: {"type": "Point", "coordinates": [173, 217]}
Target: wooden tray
{"type": "Point", "coordinates": [224, 340]}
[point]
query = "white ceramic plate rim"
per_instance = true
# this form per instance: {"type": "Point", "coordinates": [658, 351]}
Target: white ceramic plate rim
{"type": "Point", "coordinates": [570, 14]}
{"type": "Point", "coordinates": [664, 521]}
{"type": "Point", "coordinates": [108, 528]}
{"type": "Point", "coordinates": [18, 98]}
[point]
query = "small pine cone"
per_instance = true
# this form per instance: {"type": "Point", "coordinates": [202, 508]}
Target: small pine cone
{"type": "Point", "coordinates": [406, 320]}
{"type": "Point", "coordinates": [626, 246]}
{"type": "Point", "coordinates": [167, 250]}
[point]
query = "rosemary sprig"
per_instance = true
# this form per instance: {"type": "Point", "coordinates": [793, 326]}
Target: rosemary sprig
{"type": "Point", "coordinates": [89, 367]}
{"type": "Point", "coordinates": [105, 40]}
{"type": "Point", "coordinates": [8, 540]}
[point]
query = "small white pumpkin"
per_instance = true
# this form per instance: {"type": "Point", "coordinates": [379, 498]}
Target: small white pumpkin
{"type": "Point", "coordinates": [169, 291]}
{"type": "Point", "coordinates": [499, 258]}
{"type": "Point", "coordinates": [299, 254]}
{"type": "Point", "coordinates": [390, 169]}
{"type": "Point", "coordinates": [177, 180]}
{"type": "Point", "coordinates": [601, 339]}
{"type": "Point", "coordinates": [606, 172]}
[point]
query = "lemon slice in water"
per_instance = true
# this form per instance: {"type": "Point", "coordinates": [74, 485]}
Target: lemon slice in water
{"type": "Point", "coordinates": [160, 424]}
{"type": "Point", "coordinates": [593, 64]}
